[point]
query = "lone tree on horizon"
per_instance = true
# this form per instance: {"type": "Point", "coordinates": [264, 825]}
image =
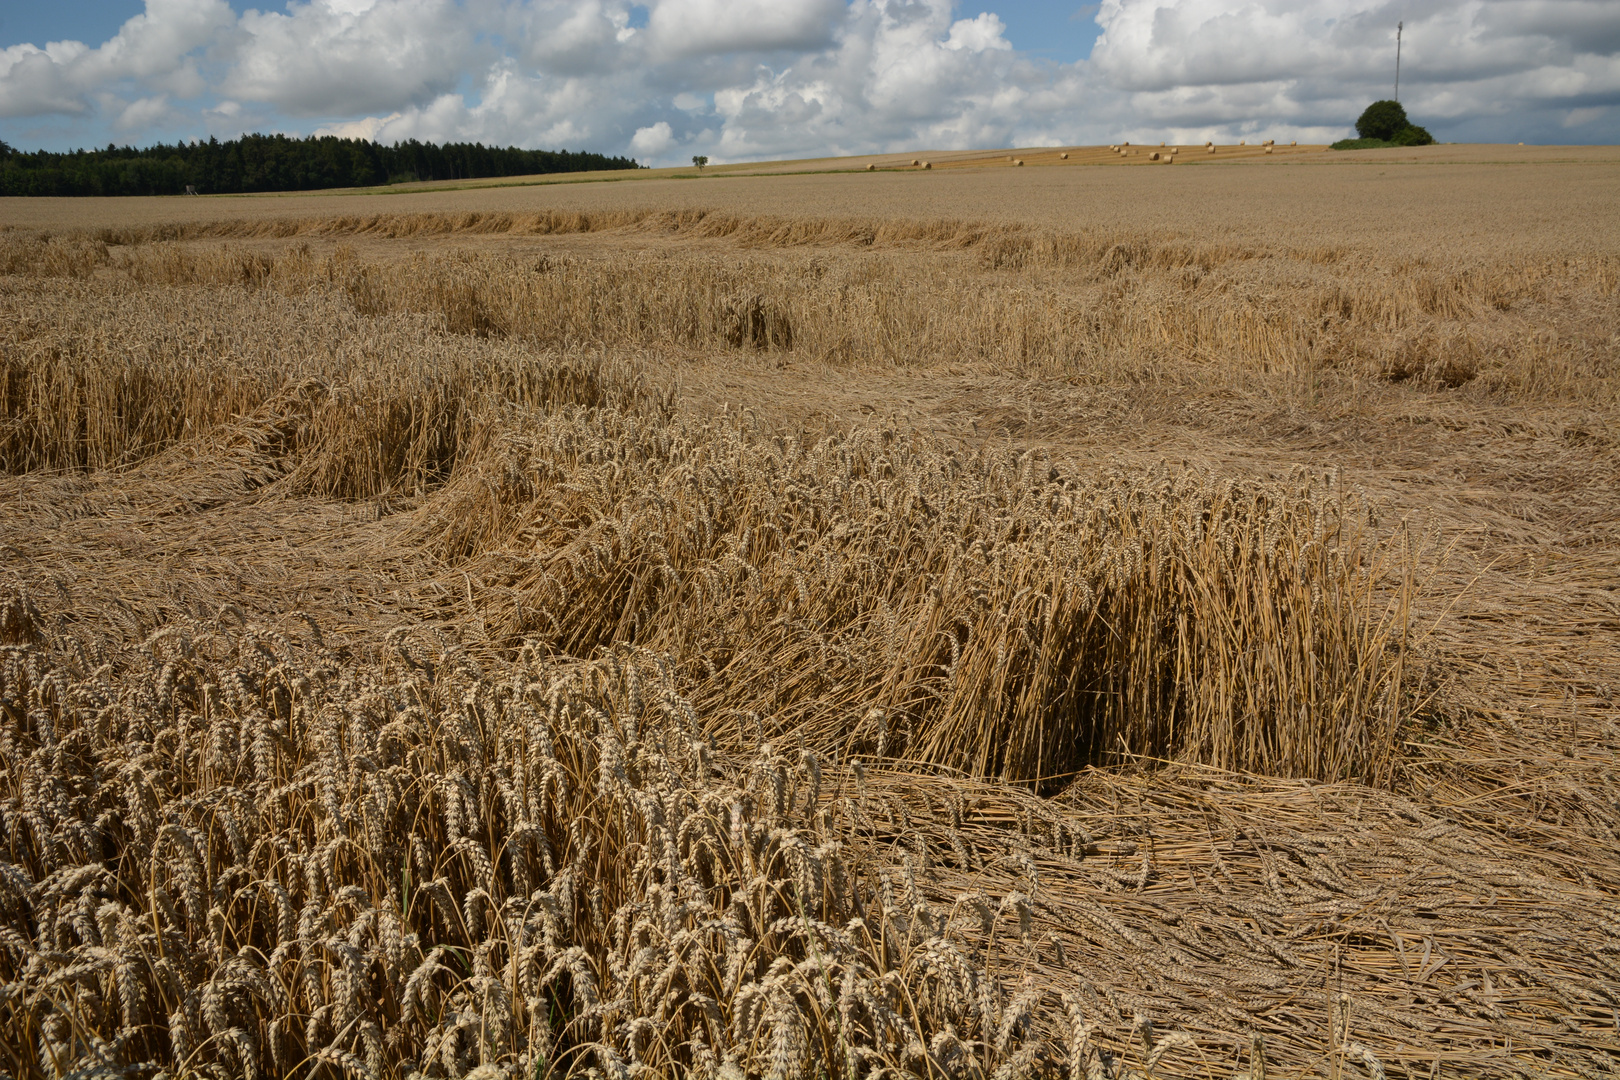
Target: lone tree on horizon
{"type": "Point", "coordinates": [1382, 120]}
{"type": "Point", "coordinates": [1386, 121]}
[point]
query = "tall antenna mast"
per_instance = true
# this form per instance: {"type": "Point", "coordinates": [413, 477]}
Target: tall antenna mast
{"type": "Point", "coordinates": [1398, 28]}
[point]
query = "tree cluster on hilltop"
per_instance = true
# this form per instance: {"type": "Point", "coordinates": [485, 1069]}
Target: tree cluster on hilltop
{"type": "Point", "coordinates": [1384, 123]}
{"type": "Point", "coordinates": [274, 163]}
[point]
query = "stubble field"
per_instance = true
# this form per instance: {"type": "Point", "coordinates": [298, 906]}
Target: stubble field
{"type": "Point", "coordinates": [1075, 619]}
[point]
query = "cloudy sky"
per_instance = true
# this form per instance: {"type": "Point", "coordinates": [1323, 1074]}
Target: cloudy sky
{"type": "Point", "coordinates": [662, 80]}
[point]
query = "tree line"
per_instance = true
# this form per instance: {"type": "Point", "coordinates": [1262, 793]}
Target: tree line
{"type": "Point", "coordinates": [274, 163]}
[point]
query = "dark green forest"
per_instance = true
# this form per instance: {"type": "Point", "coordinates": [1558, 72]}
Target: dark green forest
{"type": "Point", "coordinates": [274, 163]}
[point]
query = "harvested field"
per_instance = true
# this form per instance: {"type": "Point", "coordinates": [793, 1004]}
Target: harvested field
{"type": "Point", "coordinates": [1478, 201]}
{"type": "Point", "coordinates": [1059, 620]}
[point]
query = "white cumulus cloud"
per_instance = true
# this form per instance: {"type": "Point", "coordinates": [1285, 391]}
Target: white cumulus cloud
{"type": "Point", "coordinates": [1477, 64]}
{"type": "Point", "coordinates": [703, 27]}
{"type": "Point", "coordinates": [738, 79]}
{"type": "Point", "coordinates": [157, 50]}
{"type": "Point", "coordinates": [350, 56]}
{"type": "Point", "coordinates": [977, 34]}
{"type": "Point", "coordinates": [652, 141]}
{"type": "Point", "coordinates": [143, 113]}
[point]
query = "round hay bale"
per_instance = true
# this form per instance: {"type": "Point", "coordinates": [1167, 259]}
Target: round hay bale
{"type": "Point", "coordinates": [870, 167]}
{"type": "Point", "coordinates": [1294, 143]}
{"type": "Point", "coordinates": [1209, 142]}
{"type": "Point", "coordinates": [1268, 149]}
{"type": "Point", "coordinates": [1212, 148]}
{"type": "Point", "coordinates": [1018, 161]}
{"type": "Point", "coordinates": [928, 164]}
{"type": "Point", "coordinates": [1153, 156]}
{"type": "Point", "coordinates": [1161, 144]}
{"type": "Point", "coordinates": [1124, 144]}
{"type": "Point", "coordinates": [1064, 155]}
{"type": "Point", "coordinates": [1243, 142]}
{"type": "Point", "coordinates": [914, 161]}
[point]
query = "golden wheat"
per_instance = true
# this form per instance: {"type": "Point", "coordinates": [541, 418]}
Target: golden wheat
{"type": "Point", "coordinates": [984, 611]}
{"type": "Point", "coordinates": [421, 868]}
{"type": "Point", "coordinates": [588, 729]}
{"type": "Point", "coordinates": [1097, 304]}
{"type": "Point", "coordinates": [1458, 202]}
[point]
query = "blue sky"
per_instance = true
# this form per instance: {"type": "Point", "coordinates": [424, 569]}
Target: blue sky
{"type": "Point", "coordinates": [1061, 31]}
{"type": "Point", "coordinates": [739, 79]}
{"type": "Point", "coordinates": [81, 20]}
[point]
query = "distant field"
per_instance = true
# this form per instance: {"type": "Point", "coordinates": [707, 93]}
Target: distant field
{"type": "Point", "coordinates": [1086, 618]}
{"type": "Point", "coordinates": [1550, 200]}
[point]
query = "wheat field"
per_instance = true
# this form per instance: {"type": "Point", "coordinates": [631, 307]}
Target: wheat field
{"type": "Point", "coordinates": [1066, 621]}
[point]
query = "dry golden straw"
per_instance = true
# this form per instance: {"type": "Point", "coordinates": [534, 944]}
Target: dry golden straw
{"type": "Point", "coordinates": [415, 663]}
